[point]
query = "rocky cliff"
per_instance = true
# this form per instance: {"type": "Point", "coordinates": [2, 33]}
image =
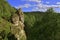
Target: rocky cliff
{"type": "Point", "coordinates": [17, 27]}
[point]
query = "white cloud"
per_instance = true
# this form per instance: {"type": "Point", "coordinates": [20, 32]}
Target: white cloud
{"type": "Point", "coordinates": [39, 6]}
{"type": "Point", "coordinates": [58, 3]}
{"type": "Point", "coordinates": [47, 6]}
{"type": "Point", "coordinates": [23, 6]}
{"type": "Point", "coordinates": [37, 1]}
{"type": "Point", "coordinates": [27, 5]}
{"type": "Point", "coordinates": [38, 9]}
{"type": "Point", "coordinates": [42, 7]}
{"type": "Point", "coordinates": [53, 6]}
{"type": "Point", "coordinates": [47, 2]}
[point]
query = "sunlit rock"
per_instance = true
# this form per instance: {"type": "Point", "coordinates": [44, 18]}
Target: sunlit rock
{"type": "Point", "coordinates": [18, 25]}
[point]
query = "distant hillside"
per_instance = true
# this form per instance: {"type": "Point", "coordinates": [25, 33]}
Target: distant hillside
{"type": "Point", "coordinates": [42, 25]}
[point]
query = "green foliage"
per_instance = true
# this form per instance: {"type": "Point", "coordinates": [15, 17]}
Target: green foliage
{"type": "Point", "coordinates": [38, 25]}
{"type": "Point", "coordinates": [45, 26]}
{"type": "Point", "coordinates": [50, 10]}
{"type": "Point", "coordinates": [5, 14]}
{"type": "Point", "coordinates": [6, 10]}
{"type": "Point", "coordinates": [4, 27]}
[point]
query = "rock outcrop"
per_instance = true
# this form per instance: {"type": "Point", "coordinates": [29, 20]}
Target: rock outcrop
{"type": "Point", "coordinates": [18, 25]}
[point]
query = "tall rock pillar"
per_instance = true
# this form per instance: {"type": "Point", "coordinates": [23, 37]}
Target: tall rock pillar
{"type": "Point", "coordinates": [18, 25]}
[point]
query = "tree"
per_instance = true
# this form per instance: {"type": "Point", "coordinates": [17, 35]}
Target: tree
{"type": "Point", "coordinates": [50, 10]}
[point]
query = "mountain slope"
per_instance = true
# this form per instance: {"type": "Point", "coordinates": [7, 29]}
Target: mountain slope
{"type": "Point", "coordinates": [5, 14]}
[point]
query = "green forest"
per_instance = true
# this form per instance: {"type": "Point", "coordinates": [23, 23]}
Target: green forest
{"type": "Point", "coordinates": [38, 25]}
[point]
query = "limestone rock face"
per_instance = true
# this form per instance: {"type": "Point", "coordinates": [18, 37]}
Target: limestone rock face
{"type": "Point", "coordinates": [21, 15]}
{"type": "Point", "coordinates": [18, 25]}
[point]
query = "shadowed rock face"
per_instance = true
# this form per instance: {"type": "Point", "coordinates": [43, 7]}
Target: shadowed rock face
{"type": "Point", "coordinates": [18, 25]}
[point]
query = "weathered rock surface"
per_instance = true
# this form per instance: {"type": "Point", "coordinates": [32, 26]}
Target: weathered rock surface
{"type": "Point", "coordinates": [18, 25]}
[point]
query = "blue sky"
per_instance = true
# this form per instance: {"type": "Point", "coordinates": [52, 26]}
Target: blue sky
{"type": "Point", "coordinates": [35, 5]}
